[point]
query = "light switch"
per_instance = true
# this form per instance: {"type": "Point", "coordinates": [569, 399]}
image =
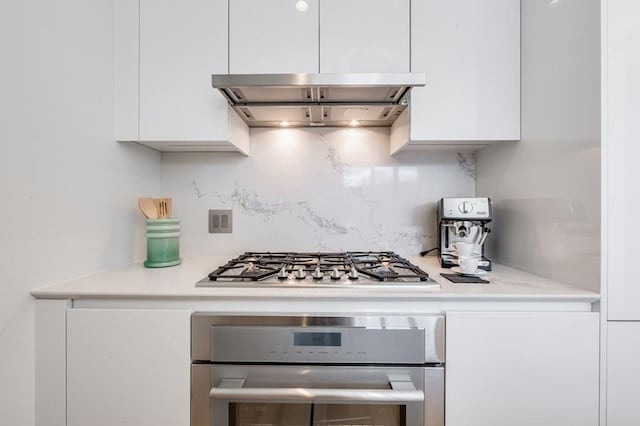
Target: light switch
{"type": "Point", "coordinates": [220, 221]}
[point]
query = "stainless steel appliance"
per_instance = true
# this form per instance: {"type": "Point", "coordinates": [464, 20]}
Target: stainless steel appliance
{"type": "Point", "coordinates": [317, 370]}
{"type": "Point", "coordinates": [311, 100]}
{"type": "Point", "coordinates": [292, 269]}
{"type": "Point", "coordinates": [463, 220]}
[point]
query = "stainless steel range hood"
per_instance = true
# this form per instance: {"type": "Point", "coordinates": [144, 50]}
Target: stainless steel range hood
{"type": "Point", "coordinates": [315, 100]}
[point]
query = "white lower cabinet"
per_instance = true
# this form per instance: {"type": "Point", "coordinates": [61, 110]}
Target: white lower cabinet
{"type": "Point", "coordinates": [128, 367]}
{"type": "Point", "coordinates": [623, 374]}
{"type": "Point", "coordinates": [522, 368]}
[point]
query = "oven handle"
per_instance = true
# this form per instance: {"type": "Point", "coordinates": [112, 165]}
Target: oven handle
{"type": "Point", "coordinates": [402, 391]}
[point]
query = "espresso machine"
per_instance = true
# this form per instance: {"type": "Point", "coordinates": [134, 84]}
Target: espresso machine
{"type": "Point", "coordinates": [463, 220]}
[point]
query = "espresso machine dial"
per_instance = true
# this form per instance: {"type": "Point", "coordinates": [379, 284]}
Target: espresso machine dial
{"type": "Point", "coordinates": [465, 207]}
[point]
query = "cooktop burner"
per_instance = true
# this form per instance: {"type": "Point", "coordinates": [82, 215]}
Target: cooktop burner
{"type": "Point", "coordinates": [292, 269]}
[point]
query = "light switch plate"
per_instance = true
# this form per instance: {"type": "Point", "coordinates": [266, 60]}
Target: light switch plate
{"type": "Point", "coordinates": [220, 221]}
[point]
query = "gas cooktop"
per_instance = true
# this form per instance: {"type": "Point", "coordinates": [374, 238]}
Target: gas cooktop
{"type": "Point", "coordinates": [344, 269]}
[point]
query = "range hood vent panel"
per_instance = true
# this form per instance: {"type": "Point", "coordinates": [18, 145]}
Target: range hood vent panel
{"type": "Point", "coordinates": [316, 115]}
{"type": "Point", "coordinates": [253, 95]}
{"type": "Point", "coordinates": [290, 114]}
{"type": "Point", "coordinates": [310, 100]}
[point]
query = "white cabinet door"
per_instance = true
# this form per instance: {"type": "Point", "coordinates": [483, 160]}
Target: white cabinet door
{"type": "Point", "coordinates": [623, 374]}
{"type": "Point", "coordinates": [275, 36]}
{"type": "Point", "coordinates": [127, 77]}
{"type": "Point", "coordinates": [470, 52]}
{"type": "Point", "coordinates": [182, 42]}
{"type": "Point", "coordinates": [364, 36]}
{"type": "Point", "coordinates": [167, 51]}
{"type": "Point", "coordinates": [522, 368]}
{"type": "Point", "coordinates": [50, 362]}
{"type": "Point", "coordinates": [128, 368]}
{"type": "Point", "coordinates": [622, 147]}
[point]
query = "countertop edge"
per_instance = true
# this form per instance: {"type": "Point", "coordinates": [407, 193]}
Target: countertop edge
{"type": "Point", "coordinates": [363, 296]}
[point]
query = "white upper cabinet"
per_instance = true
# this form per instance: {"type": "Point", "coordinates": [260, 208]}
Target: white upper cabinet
{"type": "Point", "coordinates": [176, 47]}
{"type": "Point", "coordinates": [364, 36]}
{"type": "Point", "coordinates": [181, 44]}
{"type": "Point", "coordinates": [274, 36]}
{"type": "Point", "coordinates": [284, 36]}
{"type": "Point", "coordinates": [470, 52]}
{"type": "Point", "coordinates": [127, 65]}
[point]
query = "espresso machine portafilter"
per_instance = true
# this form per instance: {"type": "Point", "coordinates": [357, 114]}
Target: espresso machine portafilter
{"type": "Point", "coordinates": [463, 220]}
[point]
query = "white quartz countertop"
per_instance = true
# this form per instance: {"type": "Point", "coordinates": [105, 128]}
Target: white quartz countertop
{"type": "Point", "coordinates": [178, 282]}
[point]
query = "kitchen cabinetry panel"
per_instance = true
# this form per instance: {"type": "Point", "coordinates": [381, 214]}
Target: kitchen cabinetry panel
{"type": "Point", "coordinates": [364, 36]}
{"type": "Point", "coordinates": [623, 373]}
{"type": "Point", "coordinates": [127, 45]}
{"type": "Point", "coordinates": [181, 44]}
{"type": "Point", "coordinates": [167, 51]}
{"type": "Point", "coordinates": [128, 367]}
{"type": "Point", "coordinates": [522, 368]}
{"type": "Point", "coordinates": [470, 52]}
{"type": "Point", "coordinates": [50, 362]}
{"type": "Point", "coordinates": [622, 148]}
{"type": "Point", "coordinates": [273, 37]}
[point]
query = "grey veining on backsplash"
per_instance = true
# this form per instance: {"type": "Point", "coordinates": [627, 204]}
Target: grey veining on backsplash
{"type": "Point", "coordinates": [320, 189]}
{"type": "Point", "coordinates": [249, 203]}
{"type": "Point", "coordinates": [467, 163]}
{"type": "Point", "coordinates": [329, 224]}
{"type": "Point", "coordinates": [336, 162]}
{"type": "Point", "coordinates": [341, 167]}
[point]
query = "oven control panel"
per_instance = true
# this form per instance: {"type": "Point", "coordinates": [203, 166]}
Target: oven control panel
{"type": "Point", "coordinates": [322, 345]}
{"type": "Point", "coordinates": [399, 340]}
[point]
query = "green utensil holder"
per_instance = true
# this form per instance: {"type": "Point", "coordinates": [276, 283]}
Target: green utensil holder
{"type": "Point", "coordinates": [163, 243]}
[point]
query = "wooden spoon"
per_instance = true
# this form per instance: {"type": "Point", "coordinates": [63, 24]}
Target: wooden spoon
{"type": "Point", "coordinates": [148, 207]}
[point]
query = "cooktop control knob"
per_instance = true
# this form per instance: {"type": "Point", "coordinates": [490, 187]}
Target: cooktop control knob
{"type": "Point", "coordinates": [335, 274]}
{"type": "Point", "coordinates": [317, 274]}
{"type": "Point", "coordinates": [283, 274]}
{"type": "Point", "coordinates": [465, 207]}
{"type": "Point", "coordinates": [353, 273]}
{"type": "Point", "coordinates": [301, 275]}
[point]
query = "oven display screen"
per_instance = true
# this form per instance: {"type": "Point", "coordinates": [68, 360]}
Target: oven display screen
{"type": "Point", "coordinates": [317, 339]}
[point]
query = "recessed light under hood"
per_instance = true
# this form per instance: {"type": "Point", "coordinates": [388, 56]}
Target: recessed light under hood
{"type": "Point", "coordinates": [316, 100]}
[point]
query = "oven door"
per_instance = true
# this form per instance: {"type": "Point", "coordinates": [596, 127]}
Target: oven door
{"type": "Point", "coordinates": [293, 395]}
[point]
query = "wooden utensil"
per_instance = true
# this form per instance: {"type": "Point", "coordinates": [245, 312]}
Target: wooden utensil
{"type": "Point", "coordinates": [169, 206]}
{"type": "Point", "coordinates": [161, 207]}
{"type": "Point", "coordinates": [148, 207]}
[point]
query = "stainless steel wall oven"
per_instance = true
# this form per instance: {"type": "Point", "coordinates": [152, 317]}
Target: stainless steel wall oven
{"type": "Point", "coordinates": [317, 370]}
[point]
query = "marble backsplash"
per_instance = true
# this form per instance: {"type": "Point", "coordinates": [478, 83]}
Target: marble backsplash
{"type": "Point", "coordinates": [315, 190]}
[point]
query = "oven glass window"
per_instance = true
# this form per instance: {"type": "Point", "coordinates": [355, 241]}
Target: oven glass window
{"type": "Point", "coordinates": [365, 415]}
{"type": "Point", "coordinates": [257, 414]}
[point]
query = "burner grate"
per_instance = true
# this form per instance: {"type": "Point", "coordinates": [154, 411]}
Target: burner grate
{"type": "Point", "coordinates": [248, 267]}
{"type": "Point", "coordinates": [266, 267]}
